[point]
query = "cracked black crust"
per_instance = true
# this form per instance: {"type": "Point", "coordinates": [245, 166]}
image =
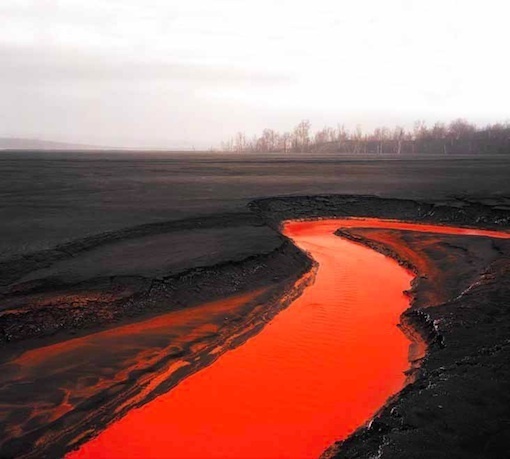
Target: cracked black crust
{"type": "Point", "coordinates": [467, 337]}
{"type": "Point", "coordinates": [141, 296]}
{"type": "Point", "coordinates": [457, 211]}
{"type": "Point", "coordinates": [458, 404]}
{"type": "Point", "coordinates": [16, 267]}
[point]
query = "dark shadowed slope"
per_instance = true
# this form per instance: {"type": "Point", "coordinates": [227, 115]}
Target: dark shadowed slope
{"type": "Point", "coordinates": [50, 198]}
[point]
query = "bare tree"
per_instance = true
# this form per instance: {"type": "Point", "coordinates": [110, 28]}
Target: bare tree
{"type": "Point", "coordinates": [398, 137]}
{"type": "Point", "coordinates": [458, 137]}
{"type": "Point", "coordinates": [357, 138]}
{"type": "Point", "coordinates": [240, 143]}
{"type": "Point", "coordinates": [301, 136]}
{"type": "Point", "coordinates": [460, 128]}
{"type": "Point", "coordinates": [322, 136]}
{"type": "Point", "coordinates": [286, 140]}
{"type": "Point", "coordinates": [420, 130]}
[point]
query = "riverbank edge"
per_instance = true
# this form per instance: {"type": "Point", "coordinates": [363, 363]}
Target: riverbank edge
{"type": "Point", "coordinates": [396, 431]}
{"type": "Point", "coordinates": [274, 211]}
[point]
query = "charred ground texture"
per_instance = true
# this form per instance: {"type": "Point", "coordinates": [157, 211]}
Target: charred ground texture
{"type": "Point", "coordinates": [101, 280]}
{"type": "Point", "coordinates": [458, 407]}
{"type": "Point", "coordinates": [457, 404]}
{"type": "Point", "coordinates": [58, 387]}
{"type": "Point", "coordinates": [49, 199]}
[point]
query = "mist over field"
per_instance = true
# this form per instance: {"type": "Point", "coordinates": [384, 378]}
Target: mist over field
{"type": "Point", "coordinates": [185, 75]}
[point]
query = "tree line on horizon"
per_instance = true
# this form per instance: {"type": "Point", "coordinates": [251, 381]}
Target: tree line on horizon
{"type": "Point", "coordinates": [457, 137]}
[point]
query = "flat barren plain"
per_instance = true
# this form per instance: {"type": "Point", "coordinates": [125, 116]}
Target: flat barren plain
{"type": "Point", "coordinates": [124, 277]}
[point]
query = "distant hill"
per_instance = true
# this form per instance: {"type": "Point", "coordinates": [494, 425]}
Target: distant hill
{"type": "Point", "coordinates": [12, 143]}
{"type": "Point", "coordinates": [21, 144]}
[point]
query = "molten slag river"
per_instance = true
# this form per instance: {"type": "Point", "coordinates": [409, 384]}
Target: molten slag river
{"type": "Point", "coordinates": [315, 373]}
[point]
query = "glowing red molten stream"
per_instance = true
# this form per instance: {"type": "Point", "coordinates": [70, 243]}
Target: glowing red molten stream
{"type": "Point", "coordinates": [318, 371]}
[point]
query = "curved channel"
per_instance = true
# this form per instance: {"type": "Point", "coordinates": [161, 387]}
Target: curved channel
{"type": "Point", "coordinates": [315, 373]}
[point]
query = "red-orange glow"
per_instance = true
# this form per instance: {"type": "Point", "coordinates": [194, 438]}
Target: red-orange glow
{"type": "Point", "coordinates": [302, 227]}
{"type": "Point", "coordinates": [318, 371]}
{"type": "Point", "coordinates": [83, 367]}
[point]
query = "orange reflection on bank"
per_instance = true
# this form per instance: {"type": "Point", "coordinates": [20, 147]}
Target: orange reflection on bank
{"type": "Point", "coordinates": [318, 371]}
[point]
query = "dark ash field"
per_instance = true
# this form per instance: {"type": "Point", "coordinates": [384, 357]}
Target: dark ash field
{"type": "Point", "coordinates": [92, 242]}
{"type": "Point", "coordinates": [51, 198]}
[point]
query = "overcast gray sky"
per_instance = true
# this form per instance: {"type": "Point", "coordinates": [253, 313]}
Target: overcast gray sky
{"type": "Point", "coordinates": [166, 73]}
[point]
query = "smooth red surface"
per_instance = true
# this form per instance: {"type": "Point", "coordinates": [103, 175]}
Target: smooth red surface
{"type": "Point", "coordinates": [318, 371]}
